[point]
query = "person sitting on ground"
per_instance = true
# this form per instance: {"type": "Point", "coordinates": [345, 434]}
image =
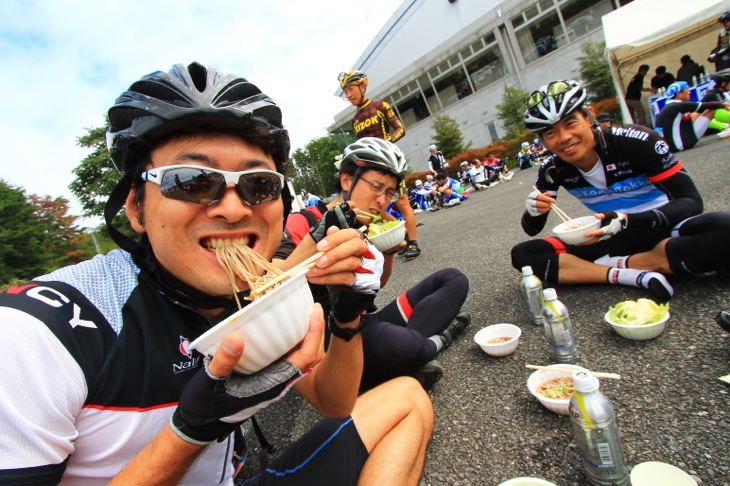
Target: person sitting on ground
{"type": "Point", "coordinates": [651, 211]}
{"type": "Point", "coordinates": [604, 120]}
{"type": "Point", "coordinates": [495, 162]}
{"type": "Point", "coordinates": [425, 196]}
{"type": "Point", "coordinates": [478, 175]}
{"type": "Point", "coordinates": [662, 79]}
{"type": "Point", "coordinates": [719, 93]}
{"type": "Point", "coordinates": [683, 122]}
{"type": "Point", "coordinates": [118, 396]}
{"type": "Point", "coordinates": [450, 189]}
{"type": "Point", "coordinates": [404, 337]}
{"type": "Point", "coordinates": [464, 175]}
{"type": "Point", "coordinates": [524, 156]}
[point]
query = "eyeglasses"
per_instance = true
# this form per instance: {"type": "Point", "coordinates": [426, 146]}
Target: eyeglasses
{"type": "Point", "coordinates": [554, 89]}
{"type": "Point", "coordinates": [203, 185]}
{"type": "Point", "coordinates": [378, 188]}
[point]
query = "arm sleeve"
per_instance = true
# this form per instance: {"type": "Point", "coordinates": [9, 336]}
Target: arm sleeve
{"type": "Point", "coordinates": [398, 128]}
{"type": "Point", "coordinates": [684, 201]}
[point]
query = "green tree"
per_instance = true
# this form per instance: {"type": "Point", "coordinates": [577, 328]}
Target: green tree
{"type": "Point", "coordinates": [95, 179]}
{"type": "Point", "coordinates": [22, 236]}
{"type": "Point", "coordinates": [448, 137]}
{"type": "Point", "coordinates": [596, 72]}
{"type": "Point", "coordinates": [511, 111]}
{"type": "Point", "coordinates": [64, 243]}
{"type": "Point", "coordinates": [313, 167]}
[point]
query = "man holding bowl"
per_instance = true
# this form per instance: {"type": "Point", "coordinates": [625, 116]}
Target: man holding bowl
{"type": "Point", "coordinates": [99, 384]}
{"type": "Point", "coordinates": [651, 211]}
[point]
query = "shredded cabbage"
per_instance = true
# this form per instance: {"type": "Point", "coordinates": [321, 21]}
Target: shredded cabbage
{"type": "Point", "coordinates": [637, 313]}
{"type": "Point", "coordinates": [376, 229]}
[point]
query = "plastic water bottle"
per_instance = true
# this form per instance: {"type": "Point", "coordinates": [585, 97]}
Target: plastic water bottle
{"type": "Point", "coordinates": [558, 328]}
{"type": "Point", "coordinates": [532, 288]}
{"type": "Point", "coordinates": [596, 433]}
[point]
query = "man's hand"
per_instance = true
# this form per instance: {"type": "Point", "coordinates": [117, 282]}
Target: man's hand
{"type": "Point", "coordinates": [538, 203]}
{"type": "Point", "coordinates": [340, 216]}
{"type": "Point", "coordinates": [349, 301]}
{"type": "Point", "coordinates": [612, 224]}
{"type": "Point", "coordinates": [342, 250]}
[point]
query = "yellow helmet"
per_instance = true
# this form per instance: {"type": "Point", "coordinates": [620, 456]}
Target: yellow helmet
{"type": "Point", "coordinates": [352, 77]}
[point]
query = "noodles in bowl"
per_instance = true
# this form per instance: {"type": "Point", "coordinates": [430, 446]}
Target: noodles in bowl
{"type": "Point", "coordinates": [276, 320]}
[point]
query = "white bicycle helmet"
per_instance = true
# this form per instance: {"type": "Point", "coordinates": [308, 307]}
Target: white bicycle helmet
{"type": "Point", "coordinates": [551, 103]}
{"type": "Point", "coordinates": [373, 153]}
{"type": "Point", "coordinates": [525, 145]}
{"type": "Point", "coordinates": [464, 164]}
{"type": "Point", "coordinates": [432, 147]}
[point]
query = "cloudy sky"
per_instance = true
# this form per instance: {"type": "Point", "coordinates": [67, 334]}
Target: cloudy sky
{"type": "Point", "coordinates": [62, 63]}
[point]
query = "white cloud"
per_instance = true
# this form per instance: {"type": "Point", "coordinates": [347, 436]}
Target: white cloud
{"type": "Point", "coordinates": [64, 63]}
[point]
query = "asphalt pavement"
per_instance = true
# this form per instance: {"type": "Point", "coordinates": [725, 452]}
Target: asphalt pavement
{"type": "Point", "coordinates": [670, 405]}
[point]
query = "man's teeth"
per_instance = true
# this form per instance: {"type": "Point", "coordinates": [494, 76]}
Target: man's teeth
{"type": "Point", "coordinates": [214, 243]}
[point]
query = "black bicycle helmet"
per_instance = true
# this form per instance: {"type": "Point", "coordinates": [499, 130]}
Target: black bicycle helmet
{"type": "Point", "coordinates": [185, 97]}
{"type": "Point", "coordinates": [552, 102]}
{"type": "Point", "coordinates": [724, 17]}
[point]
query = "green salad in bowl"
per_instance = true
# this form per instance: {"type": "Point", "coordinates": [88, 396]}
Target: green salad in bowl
{"type": "Point", "coordinates": [639, 320]}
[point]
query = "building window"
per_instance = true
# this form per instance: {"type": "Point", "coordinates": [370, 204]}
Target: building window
{"type": "Point", "coordinates": [540, 36]}
{"type": "Point", "coordinates": [583, 16]}
{"type": "Point", "coordinates": [486, 68]}
{"type": "Point", "coordinates": [415, 101]}
{"type": "Point", "coordinates": [492, 129]}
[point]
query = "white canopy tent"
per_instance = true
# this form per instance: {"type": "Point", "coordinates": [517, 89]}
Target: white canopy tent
{"type": "Point", "coordinates": [659, 32]}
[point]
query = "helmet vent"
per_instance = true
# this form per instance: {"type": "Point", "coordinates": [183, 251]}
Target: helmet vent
{"type": "Point", "coordinates": [199, 75]}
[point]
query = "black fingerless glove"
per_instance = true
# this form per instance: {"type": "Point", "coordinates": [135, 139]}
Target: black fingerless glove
{"type": "Point", "coordinates": [341, 216]}
{"type": "Point", "coordinates": [210, 407]}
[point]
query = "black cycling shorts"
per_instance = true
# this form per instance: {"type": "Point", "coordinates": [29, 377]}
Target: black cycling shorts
{"type": "Point", "coordinates": [331, 452]}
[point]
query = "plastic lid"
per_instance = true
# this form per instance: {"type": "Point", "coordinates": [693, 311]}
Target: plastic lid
{"type": "Point", "coordinates": [527, 270]}
{"type": "Point", "coordinates": [585, 382]}
{"type": "Point", "coordinates": [549, 294]}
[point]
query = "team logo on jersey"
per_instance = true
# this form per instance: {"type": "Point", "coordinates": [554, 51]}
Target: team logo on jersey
{"type": "Point", "coordinates": [184, 346]}
{"type": "Point", "coordinates": [661, 147]}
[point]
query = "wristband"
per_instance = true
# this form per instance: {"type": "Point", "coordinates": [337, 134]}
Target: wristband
{"type": "Point", "coordinates": [346, 333]}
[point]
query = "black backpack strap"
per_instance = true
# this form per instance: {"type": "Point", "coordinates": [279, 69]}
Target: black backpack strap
{"type": "Point", "coordinates": [266, 448]}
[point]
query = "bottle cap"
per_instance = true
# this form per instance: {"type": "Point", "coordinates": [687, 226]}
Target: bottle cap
{"type": "Point", "coordinates": [526, 270]}
{"type": "Point", "coordinates": [549, 294]}
{"type": "Point", "coordinates": [585, 382]}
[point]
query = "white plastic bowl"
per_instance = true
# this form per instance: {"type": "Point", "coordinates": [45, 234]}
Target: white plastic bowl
{"type": "Point", "coordinates": [270, 326]}
{"type": "Point", "coordinates": [390, 238]}
{"type": "Point", "coordinates": [495, 331]}
{"type": "Point", "coordinates": [525, 481]}
{"type": "Point", "coordinates": [573, 232]}
{"type": "Point", "coordinates": [638, 333]}
{"type": "Point", "coordinates": [652, 473]}
{"type": "Point", "coordinates": [541, 376]}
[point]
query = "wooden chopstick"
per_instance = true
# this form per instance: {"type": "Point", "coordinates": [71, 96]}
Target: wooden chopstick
{"type": "Point", "coordinates": [365, 213]}
{"type": "Point", "coordinates": [561, 214]}
{"type": "Point", "coordinates": [598, 374]}
{"type": "Point", "coordinates": [309, 262]}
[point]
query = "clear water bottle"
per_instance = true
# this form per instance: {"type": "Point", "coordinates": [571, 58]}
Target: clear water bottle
{"type": "Point", "coordinates": [596, 433]}
{"type": "Point", "coordinates": [558, 328]}
{"type": "Point", "coordinates": [532, 288]}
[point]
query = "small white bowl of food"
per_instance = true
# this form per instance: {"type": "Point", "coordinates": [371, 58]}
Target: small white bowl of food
{"type": "Point", "coordinates": [387, 235]}
{"type": "Point", "coordinates": [638, 320]}
{"type": "Point", "coordinates": [498, 339]}
{"type": "Point", "coordinates": [573, 232]}
{"type": "Point", "coordinates": [526, 481]}
{"type": "Point", "coordinates": [554, 388]}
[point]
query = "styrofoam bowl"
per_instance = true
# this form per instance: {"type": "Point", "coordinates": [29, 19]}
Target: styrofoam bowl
{"type": "Point", "coordinates": [541, 376]}
{"type": "Point", "coordinates": [526, 481]}
{"type": "Point", "coordinates": [653, 472]}
{"type": "Point", "coordinates": [495, 331]}
{"type": "Point", "coordinates": [638, 333]}
{"type": "Point", "coordinates": [390, 238]}
{"type": "Point", "coordinates": [573, 232]}
{"type": "Point", "coordinates": [270, 326]}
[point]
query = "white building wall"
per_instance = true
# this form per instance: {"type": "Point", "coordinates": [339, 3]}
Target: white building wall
{"type": "Point", "coordinates": [423, 33]}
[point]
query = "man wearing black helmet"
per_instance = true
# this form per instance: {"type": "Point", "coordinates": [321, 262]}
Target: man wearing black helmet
{"type": "Point", "coordinates": [100, 384]}
{"type": "Point", "coordinates": [626, 175]}
{"type": "Point", "coordinates": [378, 119]}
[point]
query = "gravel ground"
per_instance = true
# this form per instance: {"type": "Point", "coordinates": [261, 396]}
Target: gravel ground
{"type": "Point", "coordinates": [670, 405]}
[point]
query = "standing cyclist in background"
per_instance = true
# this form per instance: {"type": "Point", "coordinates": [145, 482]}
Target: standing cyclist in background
{"type": "Point", "coordinates": [100, 385]}
{"type": "Point", "coordinates": [628, 177]}
{"type": "Point", "coordinates": [378, 119]}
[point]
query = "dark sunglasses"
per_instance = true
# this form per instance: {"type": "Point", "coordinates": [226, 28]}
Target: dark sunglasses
{"type": "Point", "coordinates": [202, 185]}
{"type": "Point", "coordinates": [554, 89]}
